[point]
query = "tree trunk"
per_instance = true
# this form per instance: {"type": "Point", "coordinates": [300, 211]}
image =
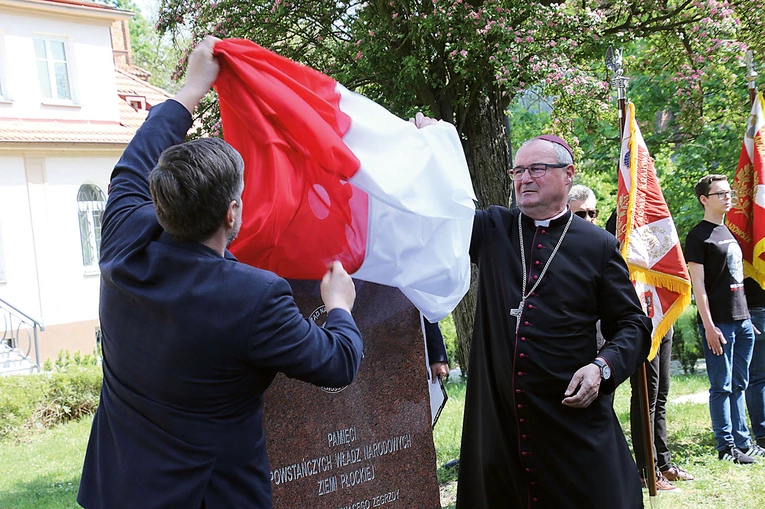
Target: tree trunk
{"type": "Point", "coordinates": [488, 159]}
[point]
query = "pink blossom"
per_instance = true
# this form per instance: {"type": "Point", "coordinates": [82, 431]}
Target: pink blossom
{"type": "Point", "coordinates": [359, 55]}
{"type": "Point", "coordinates": [463, 52]}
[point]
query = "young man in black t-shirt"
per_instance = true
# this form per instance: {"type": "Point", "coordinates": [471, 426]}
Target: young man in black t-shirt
{"type": "Point", "coordinates": [716, 265]}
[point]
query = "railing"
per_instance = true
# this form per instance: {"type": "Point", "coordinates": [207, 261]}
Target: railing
{"type": "Point", "coordinates": [20, 331]}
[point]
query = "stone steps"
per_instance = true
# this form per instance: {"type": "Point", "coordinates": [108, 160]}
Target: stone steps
{"type": "Point", "coordinates": [13, 362]}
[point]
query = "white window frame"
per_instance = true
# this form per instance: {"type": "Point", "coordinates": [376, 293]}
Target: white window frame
{"type": "Point", "coordinates": [50, 61]}
{"type": "Point", "coordinates": [137, 102]}
{"type": "Point", "coordinates": [89, 215]}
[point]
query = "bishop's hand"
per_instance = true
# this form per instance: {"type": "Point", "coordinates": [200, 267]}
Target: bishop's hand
{"type": "Point", "coordinates": [584, 387]}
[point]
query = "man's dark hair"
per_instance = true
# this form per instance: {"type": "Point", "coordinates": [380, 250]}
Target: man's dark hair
{"type": "Point", "coordinates": [705, 183]}
{"type": "Point", "coordinates": [193, 185]}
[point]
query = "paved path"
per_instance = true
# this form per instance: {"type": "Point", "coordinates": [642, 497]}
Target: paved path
{"type": "Point", "coordinates": [699, 397]}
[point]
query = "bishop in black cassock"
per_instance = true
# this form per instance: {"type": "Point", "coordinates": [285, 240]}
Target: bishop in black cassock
{"type": "Point", "coordinates": [521, 446]}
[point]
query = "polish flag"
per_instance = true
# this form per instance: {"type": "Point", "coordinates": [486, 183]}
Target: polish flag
{"type": "Point", "coordinates": [331, 175]}
{"type": "Point", "coordinates": [746, 219]}
{"type": "Point", "coordinates": [649, 241]}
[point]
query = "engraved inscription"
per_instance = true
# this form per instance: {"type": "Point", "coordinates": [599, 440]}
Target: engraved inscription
{"type": "Point", "coordinates": [327, 485]}
{"type": "Point", "coordinates": [319, 317]}
{"type": "Point", "coordinates": [385, 498]}
{"type": "Point", "coordinates": [349, 456]}
{"type": "Point", "coordinates": [356, 477]}
{"type": "Point", "coordinates": [388, 446]}
{"type": "Point", "coordinates": [304, 468]}
{"type": "Point", "coordinates": [341, 436]}
{"type": "Point", "coordinates": [375, 501]}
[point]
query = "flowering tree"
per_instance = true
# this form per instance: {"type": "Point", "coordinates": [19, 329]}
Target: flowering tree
{"type": "Point", "coordinates": [465, 60]}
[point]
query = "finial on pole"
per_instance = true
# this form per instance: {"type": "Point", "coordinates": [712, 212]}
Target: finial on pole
{"type": "Point", "coordinates": [751, 75]}
{"type": "Point", "coordinates": [614, 64]}
{"type": "Point", "coordinates": [619, 80]}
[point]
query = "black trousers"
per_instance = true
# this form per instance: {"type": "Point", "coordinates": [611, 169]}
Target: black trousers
{"type": "Point", "coordinates": [657, 376]}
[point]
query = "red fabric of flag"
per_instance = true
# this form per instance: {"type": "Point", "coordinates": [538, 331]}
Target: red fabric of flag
{"type": "Point", "coordinates": [299, 213]}
{"type": "Point", "coordinates": [746, 219]}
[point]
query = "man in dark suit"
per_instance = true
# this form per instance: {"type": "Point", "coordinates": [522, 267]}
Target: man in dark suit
{"type": "Point", "coordinates": [191, 337]}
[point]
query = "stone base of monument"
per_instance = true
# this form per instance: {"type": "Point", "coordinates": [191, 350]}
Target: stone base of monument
{"type": "Point", "coordinates": [369, 444]}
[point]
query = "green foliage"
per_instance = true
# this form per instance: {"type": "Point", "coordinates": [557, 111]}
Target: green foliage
{"type": "Point", "coordinates": [686, 342]}
{"type": "Point", "coordinates": [152, 51]}
{"type": "Point", "coordinates": [450, 339]}
{"type": "Point", "coordinates": [41, 401]}
{"type": "Point", "coordinates": [65, 360]}
{"type": "Point", "coordinates": [447, 434]}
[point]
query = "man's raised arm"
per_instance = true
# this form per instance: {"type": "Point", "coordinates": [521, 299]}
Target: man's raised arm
{"type": "Point", "coordinates": [165, 126]}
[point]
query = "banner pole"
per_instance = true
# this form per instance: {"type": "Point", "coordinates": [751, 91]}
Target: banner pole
{"type": "Point", "coordinates": [614, 63]}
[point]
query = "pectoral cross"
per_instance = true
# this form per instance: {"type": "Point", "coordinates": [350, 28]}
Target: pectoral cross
{"type": "Point", "coordinates": [516, 312]}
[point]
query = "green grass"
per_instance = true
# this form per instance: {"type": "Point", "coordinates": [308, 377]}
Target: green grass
{"type": "Point", "coordinates": [44, 470]}
{"type": "Point", "coordinates": [718, 484]}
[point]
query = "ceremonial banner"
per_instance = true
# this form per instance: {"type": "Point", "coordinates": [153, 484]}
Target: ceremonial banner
{"type": "Point", "coordinates": [331, 175]}
{"type": "Point", "coordinates": [746, 219]}
{"type": "Point", "coordinates": [649, 241]}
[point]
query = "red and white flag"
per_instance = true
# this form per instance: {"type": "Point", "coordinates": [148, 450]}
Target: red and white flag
{"type": "Point", "coordinates": [331, 175]}
{"type": "Point", "coordinates": [746, 219]}
{"type": "Point", "coordinates": [649, 241]}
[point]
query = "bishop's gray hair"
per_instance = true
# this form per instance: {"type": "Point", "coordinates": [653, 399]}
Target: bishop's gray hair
{"type": "Point", "coordinates": [561, 154]}
{"type": "Point", "coordinates": [580, 193]}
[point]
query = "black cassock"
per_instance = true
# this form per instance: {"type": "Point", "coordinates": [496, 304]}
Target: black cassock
{"type": "Point", "coordinates": [520, 446]}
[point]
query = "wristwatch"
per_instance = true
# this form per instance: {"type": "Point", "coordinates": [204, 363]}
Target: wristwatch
{"type": "Point", "coordinates": [605, 369]}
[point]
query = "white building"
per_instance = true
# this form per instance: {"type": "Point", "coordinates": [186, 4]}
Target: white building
{"type": "Point", "coordinates": [70, 101]}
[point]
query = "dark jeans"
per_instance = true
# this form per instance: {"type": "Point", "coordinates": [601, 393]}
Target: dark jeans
{"type": "Point", "coordinates": [657, 376]}
{"type": "Point", "coordinates": [755, 393]}
{"type": "Point", "coordinates": [728, 379]}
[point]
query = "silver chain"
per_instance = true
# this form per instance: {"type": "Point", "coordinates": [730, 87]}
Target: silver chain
{"type": "Point", "coordinates": [544, 270]}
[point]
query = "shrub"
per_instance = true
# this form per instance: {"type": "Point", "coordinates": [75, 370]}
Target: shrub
{"type": "Point", "coordinates": [71, 395]}
{"type": "Point", "coordinates": [686, 342]}
{"type": "Point", "coordinates": [450, 338]}
{"type": "Point", "coordinates": [47, 399]}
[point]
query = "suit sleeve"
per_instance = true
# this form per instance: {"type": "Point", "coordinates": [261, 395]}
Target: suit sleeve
{"type": "Point", "coordinates": [435, 343]}
{"type": "Point", "coordinates": [283, 340]}
{"type": "Point", "coordinates": [129, 186]}
{"type": "Point", "coordinates": [480, 220]}
{"type": "Point", "coordinates": [622, 320]}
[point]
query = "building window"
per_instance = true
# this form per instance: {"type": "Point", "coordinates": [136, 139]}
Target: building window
{"type": "Point", "coordinates": [137, 102]}
{"type": "Point", "coordinates": [90, 203]}
{"type": "Point", "coordinates": [52, 69]}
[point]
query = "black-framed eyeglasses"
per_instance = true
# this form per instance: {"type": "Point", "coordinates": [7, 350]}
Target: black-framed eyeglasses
{"type": "Point", "coordinates": [584, 213]}
{"type": "Point", "coordinates": [723, 194]}
{"type": "Point", "coordinates": [535, 170]}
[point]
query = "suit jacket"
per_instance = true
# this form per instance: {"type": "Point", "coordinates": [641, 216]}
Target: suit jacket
{"type": "Point", "coordinates": [191, 340]}
{"type": "Point", "coordinates": [434, 341]}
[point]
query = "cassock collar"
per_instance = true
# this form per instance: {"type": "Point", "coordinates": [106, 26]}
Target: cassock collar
{"type": "Point", "coordinates": [558, 220]}
{"type": "Point", "coordinates": [196, 247]}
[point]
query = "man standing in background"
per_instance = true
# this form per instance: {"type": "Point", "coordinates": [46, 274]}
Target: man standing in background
{"type": "Point", "coordinates": [716, 266]}
{"type": "Point", "coordinates": [582, 202]}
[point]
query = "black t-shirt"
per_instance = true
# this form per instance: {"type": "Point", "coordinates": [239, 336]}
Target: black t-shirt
{"type": "Point", "coordinates": [755, 295]}
{"type": "Point", "coordinates": [714, 247]}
